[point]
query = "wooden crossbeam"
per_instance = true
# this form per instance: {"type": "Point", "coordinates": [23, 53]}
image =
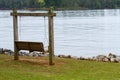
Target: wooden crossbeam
{"type": "Point", "coordinates": [33, 14]}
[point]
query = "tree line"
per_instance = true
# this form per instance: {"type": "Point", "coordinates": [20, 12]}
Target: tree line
{"type": "Point", "coordinates": [61, 4]}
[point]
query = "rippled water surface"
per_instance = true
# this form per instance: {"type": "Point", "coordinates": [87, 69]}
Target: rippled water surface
{"type": "Point", "coordinates": [79, 33]}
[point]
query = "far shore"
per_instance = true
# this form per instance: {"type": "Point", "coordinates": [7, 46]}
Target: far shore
{"type": "Point", "coordinates": [57, 9]}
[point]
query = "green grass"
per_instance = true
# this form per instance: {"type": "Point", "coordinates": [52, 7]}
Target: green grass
{"type": "Point", "coordinates": [29, 68]}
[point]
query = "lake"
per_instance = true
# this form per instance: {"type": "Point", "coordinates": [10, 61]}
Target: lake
{"type": "Point", "coordinates": [84, 33]}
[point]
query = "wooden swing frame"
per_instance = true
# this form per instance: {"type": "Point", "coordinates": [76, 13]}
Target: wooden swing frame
{"type": "Point", "coordinates": [25, 45]}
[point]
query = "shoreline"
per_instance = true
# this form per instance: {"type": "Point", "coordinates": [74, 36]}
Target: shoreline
{"type": "Point", "coordinates": [56, 9]}
{"type": "Point", "coordinates": [101, 58]}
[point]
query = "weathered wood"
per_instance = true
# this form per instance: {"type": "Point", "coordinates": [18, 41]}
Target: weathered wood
{"type": "Point", "coordinates": [15, 30]}
{"type": "Point", "coordinates": [31, 46]}
{"type": "Point", "coordinates": [33, 14]}
{"type": "Point", "coordinates": [51, 39]}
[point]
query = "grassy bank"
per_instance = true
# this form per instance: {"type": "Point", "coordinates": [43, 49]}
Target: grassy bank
{"type": "Point", "coordinates": [29, 68]}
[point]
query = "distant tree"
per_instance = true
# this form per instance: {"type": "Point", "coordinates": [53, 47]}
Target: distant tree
{"type": "Point", "coordinates": [49, 3]}
{"type": "Point", "coordinates": [89, 4]}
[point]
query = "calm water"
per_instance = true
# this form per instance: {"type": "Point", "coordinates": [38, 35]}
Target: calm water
{"type": "Point", "coordinates": [80, 33]}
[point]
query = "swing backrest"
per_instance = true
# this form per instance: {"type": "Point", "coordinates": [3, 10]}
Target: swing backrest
{"type": "Point", "coordinates": [31, 46]}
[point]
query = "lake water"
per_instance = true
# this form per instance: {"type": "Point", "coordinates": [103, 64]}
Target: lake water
{"type": "Point", "coordinates": [77, 32]}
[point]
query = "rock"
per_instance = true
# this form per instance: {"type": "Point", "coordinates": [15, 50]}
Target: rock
{"type": "Point", "coordinates": [23, 53]}
{"type": "Point", "coordinates": [113, 60]}
{"type": "Point", "coordinates": [8, 52]}
{"type": "Point", "coordinates": [111, 55]}
{"type": "Point", "coordinates": [37, 54]}
{"type": "Point", "coordinates": [94, 58]}
{"type": "Point", "coordinates": [64, 56]}
{"type": "Point", "coordinates": [75, 57]}
{"type": "Point", "coordinates": [106, 59]}
{"type": "Point", "coordinates": [33, 54]}
{"type": "Point", "coordinates": [101, 58]}
{"type": "Point", "coordinates": [118, 58]}
{"type": "Point", "coordinates": [61, 56]}
{"type": "Point", "coordinates": [89, 58]}
{"type": "Point", "coordinates": [81, 58]}
{"type": "Point", "coordinates": [69, 56]}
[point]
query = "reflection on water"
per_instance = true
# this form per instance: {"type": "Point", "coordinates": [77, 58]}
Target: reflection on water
{"type": "Point", "coordinates": [89, 13]}
{"type": "Point", "coordinates": [79, 33]}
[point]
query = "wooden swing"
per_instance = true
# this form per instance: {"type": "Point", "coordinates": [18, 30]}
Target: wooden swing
{"type": "Point", "coordinates": [33, 46]}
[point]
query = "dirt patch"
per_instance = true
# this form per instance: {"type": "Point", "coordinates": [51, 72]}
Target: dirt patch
{"type": "Point", "coordinates": [34, 61]}
{"type": "Point", "coordinates": [40, 61]}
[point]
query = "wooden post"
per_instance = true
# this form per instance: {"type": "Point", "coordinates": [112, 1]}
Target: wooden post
{"type": "Point", "coordinates": [15, 30]}
{"type": "Point", "coordinates": [51, 38]}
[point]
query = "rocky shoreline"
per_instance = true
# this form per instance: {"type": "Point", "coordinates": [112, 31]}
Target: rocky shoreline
{"type": "Point", "coordinates": [102, 58]}
{"type": "Point", "coordinates": [22, 53]}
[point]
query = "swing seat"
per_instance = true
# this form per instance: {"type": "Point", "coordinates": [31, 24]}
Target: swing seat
{"type": "Point", "coordinates": [31, 46]}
